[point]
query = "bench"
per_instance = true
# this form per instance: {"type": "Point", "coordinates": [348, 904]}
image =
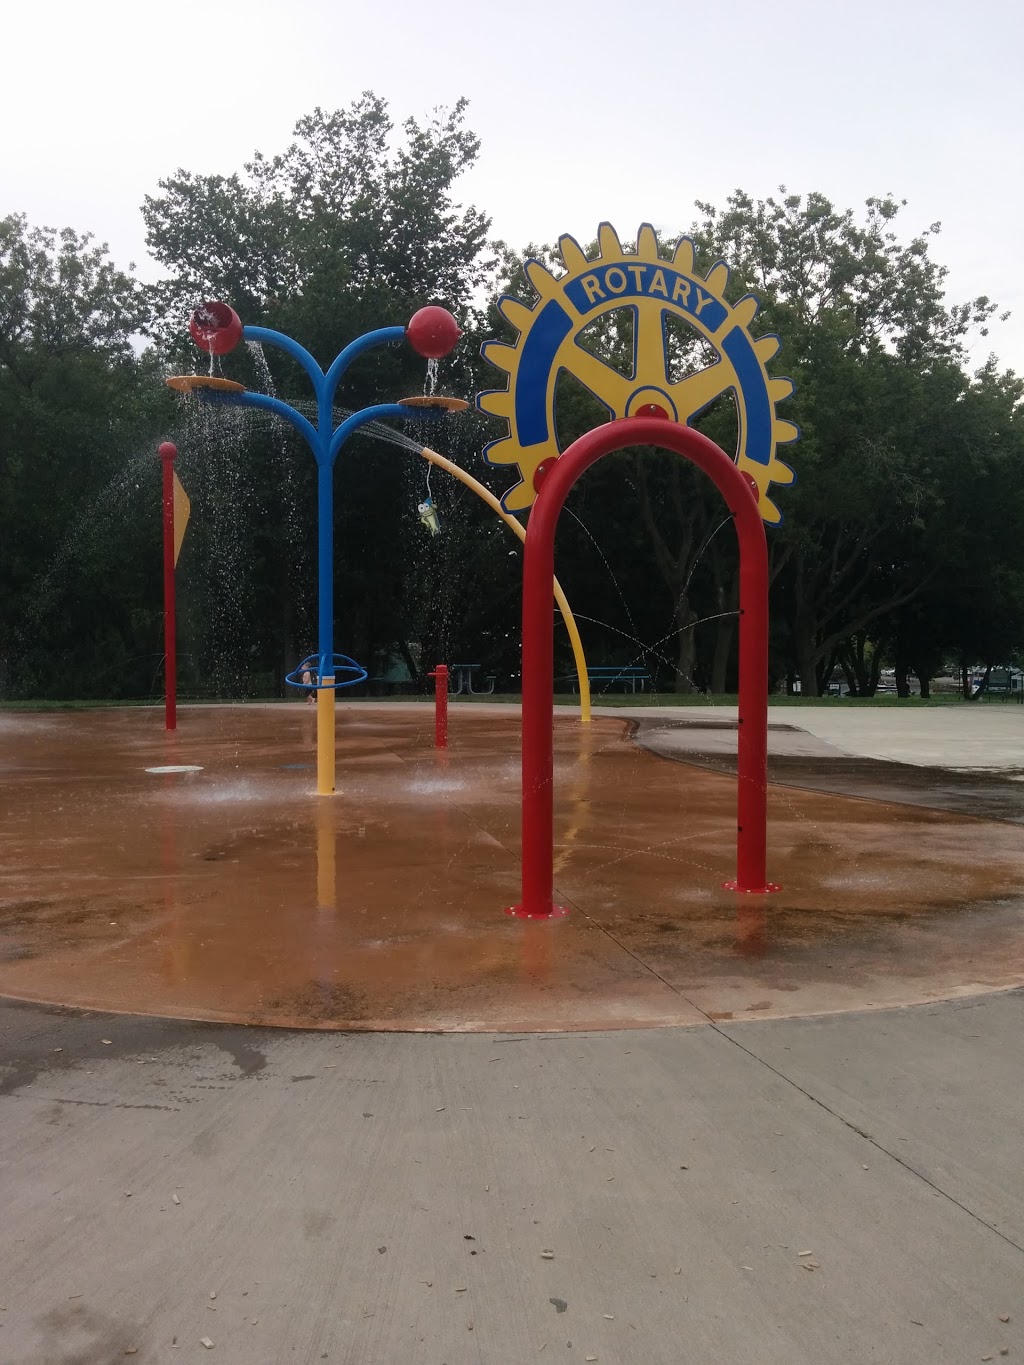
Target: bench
{"type": "Point", "coordinates": [605, 677]}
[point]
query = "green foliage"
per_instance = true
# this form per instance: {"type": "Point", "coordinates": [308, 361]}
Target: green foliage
{"type": "Point", "coordinates": [78, 601]}
{"type": "Point", "coordinates": [882, 398]}
{"type": "Point", "coordinates": [351, 228]}
{"type": "Point", "coordinates": [348, 229]}
{"type": "Point", "coordinates": [899, 535]}
{"type": "Point", "coordinates": [818, 269]}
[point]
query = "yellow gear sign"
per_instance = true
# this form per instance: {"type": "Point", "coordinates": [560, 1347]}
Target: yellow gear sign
{"type": "Point", "coordinates": [653, 287]}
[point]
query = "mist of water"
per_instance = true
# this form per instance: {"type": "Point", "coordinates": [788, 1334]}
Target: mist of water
{"type": "Point", "coordinates": [223, 498]}
{"type": "Point", "coordinates": [97, 517]}
{"type": "Point", "coordinates": [611, 573]}
{"type": "Point", "coordinates": [289, 449]}
{"type": "Point", "coordinates": [652, 649]}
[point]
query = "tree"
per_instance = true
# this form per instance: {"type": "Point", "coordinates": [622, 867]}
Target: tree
{"type": "Point", "coordinates": [877, 357]}
{"type": "Point", "coordinates": [75, 399]}
{"type": "Point", "coordinates": [348, 229]}
{"type": "Point", "coordinates": [351, 228]}
{"type": "Point", "coordinates": [973, 606]}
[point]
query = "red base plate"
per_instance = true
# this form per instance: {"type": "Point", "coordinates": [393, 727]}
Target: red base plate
{"type": "Point", "coordinates": [765, 890]}
{"type": "Point", "coordinates": [520, 912]}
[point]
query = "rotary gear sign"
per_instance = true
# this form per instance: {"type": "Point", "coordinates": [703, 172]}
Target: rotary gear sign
{"type": "Point", "coordinates": [654, 288]}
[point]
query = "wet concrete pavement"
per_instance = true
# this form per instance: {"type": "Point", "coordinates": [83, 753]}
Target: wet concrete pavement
{"type": "Point", "coordinates": [821, 1191]}
{"type": "Point", "coordinates": [233, 893]}
{"type": "Point", "coordinates": [993, 789]}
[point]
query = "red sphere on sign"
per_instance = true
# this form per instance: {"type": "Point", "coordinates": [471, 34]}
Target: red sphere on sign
{"type": "Point", "coordinates": [432, 332]}
{"type": "Point", "coordinates": [542, 471]}
{"type": "Point", "coordinates": [167, 450]}
{"type": "Point", "coordinates": [651, 410]}
{"type": "Point", "coordinates": [215, 328]}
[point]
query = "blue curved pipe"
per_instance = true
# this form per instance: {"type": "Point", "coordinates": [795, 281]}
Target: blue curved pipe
{"type": "Point", "coordinates": [290, 346]}
{"type": "Point", "coordinates": [323, 440]}
{"type": "Point", "coordinates": [383, 336]}
{"type": "Point", "coordinates": [264, 401]}
{"type": "Point", "coordinates": [381, 413]}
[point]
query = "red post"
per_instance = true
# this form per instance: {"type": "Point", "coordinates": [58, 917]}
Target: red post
{"type": "Point", "coordinates": [168, 453]}
{"type": "Point", "coordinates": [538, 648]}
{"type": "Point", "coordinates": [440, 676]}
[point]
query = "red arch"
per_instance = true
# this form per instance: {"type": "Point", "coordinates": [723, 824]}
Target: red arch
{"type": "Point", "coordinates": [538, 648]}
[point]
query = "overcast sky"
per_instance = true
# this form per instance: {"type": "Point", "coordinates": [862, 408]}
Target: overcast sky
{"type": "Point", "coordinates": [586, 111]}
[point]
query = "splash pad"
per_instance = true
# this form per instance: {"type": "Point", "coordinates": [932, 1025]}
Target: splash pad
{"type": "Point", "coordinates": [234, 893]}
{"type": "Point", "coordinates": [192, 875]}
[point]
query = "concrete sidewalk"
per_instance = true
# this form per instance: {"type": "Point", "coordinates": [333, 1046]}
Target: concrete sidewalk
{"type": "Point", "coordinates": [984, 737]}
{"type": "Point", "coordinates": [797, 757]}
{"type": "Point", "coordinates": [797, 1192]}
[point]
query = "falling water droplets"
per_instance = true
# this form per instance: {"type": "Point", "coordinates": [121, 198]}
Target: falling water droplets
{"type": "Point", "coordinates": [222, 497]}
{"type": "Point", "coordinates": [96, 519]}
{"type": "Point", "coordinates": [289, 452]}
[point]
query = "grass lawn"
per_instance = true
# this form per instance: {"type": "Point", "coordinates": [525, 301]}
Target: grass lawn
{"type": "Point", "coordinates": [569, 700]}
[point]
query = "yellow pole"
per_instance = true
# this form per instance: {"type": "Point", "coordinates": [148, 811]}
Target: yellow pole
{"type": "Point", "coordinates": [326, 878]}
{"type": "Point", "coordinates": [325, 738]}
{"type": "Point", "coordinates": [563, 606]}
{"type": "Point", "coordinates": [582, 676]}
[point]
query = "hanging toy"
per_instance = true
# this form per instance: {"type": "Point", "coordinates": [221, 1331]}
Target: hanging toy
{"type": "Point", "coordinates": [428, 516]}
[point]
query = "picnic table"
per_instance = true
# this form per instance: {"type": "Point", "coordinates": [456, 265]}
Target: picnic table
{"type": "Point", "coordinates": [628, 676]}
{"type": "Point", "coordinates": [460, 679]}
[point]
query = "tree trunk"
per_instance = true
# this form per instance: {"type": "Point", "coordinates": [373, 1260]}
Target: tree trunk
{"type": "Point", "coordinates": [848, 663]}
{"type": "Point", "coordinates": [676, 558]}
{"type": "Point", "coordinates": [805, 644]}
{"type": "Point", "coordinates": [862, 673]}
{"type": "Point", "coordinates": [902, 666]}
{"type": "Point", "coordinates": [925, 663]}
{"type": "Point", "coordinates": [723, 653]}
{"type": "Point", "coordinates": [823, 595]}
{"type": "Point", "coordinates": [807, 668]}
{"type": "Point", "coordinates": [726, 589]}
{"type": "Point", "coordinates": [983, 685]}
{"type": "Point", "coordinates": [876, 670]}
{"type": "Point", "coordinates": [806, 661]}
{"type": "Point", "coordinates": [686, 657]}
{"type": "Point", "coordinates": [965, 682]}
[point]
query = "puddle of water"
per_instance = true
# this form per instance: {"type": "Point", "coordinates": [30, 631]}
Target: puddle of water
{"type": "Point", "coordinates": [433, 786]}
{"type": "Point", "coordinates": [242, 791]}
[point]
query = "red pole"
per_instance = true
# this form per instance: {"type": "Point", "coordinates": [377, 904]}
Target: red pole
{"type": "Point", "coordinates": [440, 676]}
{"type": "Point", "coordinates": [752, 721]}
{"type": "Point", "coordinates": [538, 700]}
{"type": "Point", "coordinates": [168, 453]}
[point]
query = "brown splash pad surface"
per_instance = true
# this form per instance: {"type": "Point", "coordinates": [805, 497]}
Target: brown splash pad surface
{"type": "Point", "coordinates": [234, 893]}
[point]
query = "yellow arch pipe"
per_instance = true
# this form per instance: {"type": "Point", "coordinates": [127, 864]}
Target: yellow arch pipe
{"type": "Point", "coordinates": [563, 605]}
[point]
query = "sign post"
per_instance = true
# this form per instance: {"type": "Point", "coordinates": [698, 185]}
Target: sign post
{"type": "Point", "coordinates": [176, 508]}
